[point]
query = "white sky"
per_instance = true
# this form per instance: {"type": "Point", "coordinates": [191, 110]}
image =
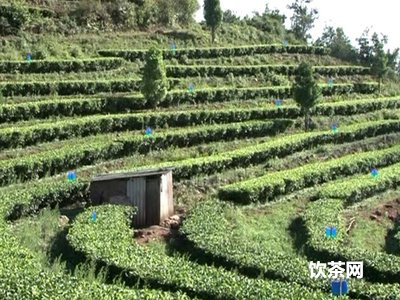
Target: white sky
{"type": "Point", "coordinates": [353, 15]}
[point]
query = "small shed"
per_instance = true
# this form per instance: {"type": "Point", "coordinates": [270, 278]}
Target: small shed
{"type": "Point", "coordinates": [151, 191]}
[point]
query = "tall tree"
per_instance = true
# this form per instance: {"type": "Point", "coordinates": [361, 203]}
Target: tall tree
{"type": "Point", "coordinates": [364, 48]}
{"type": "Point", "coordinates": [154, 83]}
{"type": "Point", "coordinates": [230, 17]}
{"type": "Point", "coordinates": [379, 64]}
{"type": "Point", "coordinates": [303, 18]}
{"type": "Point", "coordinates": [306, 92]}
{"type": "Point", "coordinates": [338, 43]}
{"type": "Point", "coordinates": [212, 15]}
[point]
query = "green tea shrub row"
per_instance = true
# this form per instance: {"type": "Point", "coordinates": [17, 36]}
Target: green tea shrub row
{"type": "Point", "coordinates": [229, 94]}
{"type": "Point", "coordinates": [82, 107]}
{"type": "Point", "coordinates": [378, 266]}
{"type": "Point", "coordinates": [50, 66]}
{"type": "Point", "coordinates": [91, 125]}
{"type": "Point", "coordinates": [197, 53]}
{"type": "Point", "coordinates": [267, 187]}
{"type": "Point", "coordinates": [114, 246]}
{"type": "Point", "coordinates": [106, 147]}
{"type": "Point", "coordinates": [22, 275]}
{"type": "Point", "coordinates": [357, 188]}
{"type": "Point", "coordinates": [210, 231]}
{"type": "Point", "coordinates": [279, 147]}
{"type": "Point", "coordinates": [68, 87]}
{"type": "Point", "coordinates": [191, 71]}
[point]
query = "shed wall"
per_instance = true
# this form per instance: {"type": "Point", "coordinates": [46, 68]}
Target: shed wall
{"type": "Point", "coordinates": [136, 191]}
{"type": "Point", "coordinates": [153, 200]}
{"type": "Point", "coordinates": [166, 198]}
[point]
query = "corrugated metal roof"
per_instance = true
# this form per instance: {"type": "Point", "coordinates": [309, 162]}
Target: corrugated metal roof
{"type": "Point", "coordinates": [141, 173]}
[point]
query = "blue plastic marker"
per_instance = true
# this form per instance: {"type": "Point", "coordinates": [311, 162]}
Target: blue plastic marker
{"type": "Point", "coordinates": [71, 176]}
{"type": "Point", "coordinates": [172, 46]}
{"type": "Point", "coordinates": [191, 88]}
{"type": "Point", "coordinates": [94, 216]}
{"type": "Point", "coordinates": [374, 173]}
{"type": "Point", "coordinates": [330, 232]}
{"type": "Point", "coordinates": [334, 128]}
{"type": "Point", "coordinates": [330, 82]}
{"type": "Point", "coordinates": [333, 232]}
{"type": "Point", "coordinates": [339, 287]}
{"type": "Point", "coordinates": [278, 102]}
{"type": "Point", "coordinates": [285, 43]}
{"type": "Point", "coordinates": [148, 131]}
{"type": "Point", "coordinates": [29, 57]}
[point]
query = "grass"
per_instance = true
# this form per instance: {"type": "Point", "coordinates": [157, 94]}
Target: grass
{"type": "Point", "coordinates": [270, 225]}
{"type": "Point", "coordinates": [45, 237]}
{"type": "Point", "coordinates": [368, 233]}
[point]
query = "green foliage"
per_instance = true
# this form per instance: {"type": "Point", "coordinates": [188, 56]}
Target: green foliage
{"type": "Point", "coordinates": [49, 66]}
{"type": "Point", "coordinates": [229, 16]}
{"type": "Point", "coordinates": [377, 266]}
{"type": "Point", "coordinates": [267, 187]}
{"type": "Point", "coordinates": [71, 87]}
{"type": "Point", "coordinates": [154, 84]}
{"type": "Point", "coordinates": [379, 65]}
{"type": "Point", "coordinates": [105, 147]}
{"type": "Point", "coordinates": [302, 19]}
{"type": "Point", "coordinates": [338, 43]}
{"type": "Point", "coordinates": [269, 21]}
{"type": "Point", "coordinates": [213, 16]}
{"type": "Point", "coordinates": [210, 70]}
{"type": "Point", "coordinates": [197, 53]}
{"type": "Point", "coordinates": [83, 107]}
{"type": "Point", "coordinates": [306, 92]}
{"type": "Point", "coordinates": [210, 228]}
{"type": "Point", "coordinates": [103, 241]}
{"type": "Point", "coordinates": [13, 19]}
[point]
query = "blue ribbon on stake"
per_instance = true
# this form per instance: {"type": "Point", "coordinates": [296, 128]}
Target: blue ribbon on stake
{"type": "Point", "coordinates": [374, 173]}
{"type": "Point", "coordinates": [191, 88]}
{"type": "Point", "coordinates": [71, 176]}
{"type": "Point", "coordinates": [148, 131]}
{"type": "Point", "coordinates": [94, 216]}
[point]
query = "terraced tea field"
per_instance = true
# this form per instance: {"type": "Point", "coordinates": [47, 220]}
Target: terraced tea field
{"type": "Point", "coordinates": [256, 191]}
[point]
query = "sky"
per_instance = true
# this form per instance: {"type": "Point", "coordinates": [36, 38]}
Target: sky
{"type": "Point", "coordinates": [352, 15]}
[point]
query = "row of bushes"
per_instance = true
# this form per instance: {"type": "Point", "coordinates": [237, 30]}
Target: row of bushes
{"type": "Point", "coordinates": [105, 147]}
{"type": "Point", "coordinates": [82, 107]}
{"type": "Point", "coordinates": [267, 187]}
{"type": "Point", "coordinates": [378, 266]}
{"type": "Point", "coordinates": [22, 275]}
{"type": "Point", "coordinates": [229, 94]}
{"type": "Point", "coordinates": [73, 87]}
{"type": "Point", "coordinates": [50, 66]}
{"type": "Point", "coordinates": [357, 188]}
{"type": "Point", "coordinates": [191, 71]}
{"type": "Point", "coordinates": [197, 53]}
{"type": "Point", "coordinates": [68, 87]}
{"type": "Point", "coordinates": [281, 182]}
{"type": "Point", "coordinates": [91, 125]}
{"type": "Point", "coordinates": [212, 229]}
{"type": "Point", "coordinates": [104, 242]}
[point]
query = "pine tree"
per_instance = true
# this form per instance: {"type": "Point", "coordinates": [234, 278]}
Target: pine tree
{"type": "Point", "coordinates": [154, 83]}
{"type": "Point", "coordinates": [306, 91]}
{"type": "Point", "coordinates": [212, 15]}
